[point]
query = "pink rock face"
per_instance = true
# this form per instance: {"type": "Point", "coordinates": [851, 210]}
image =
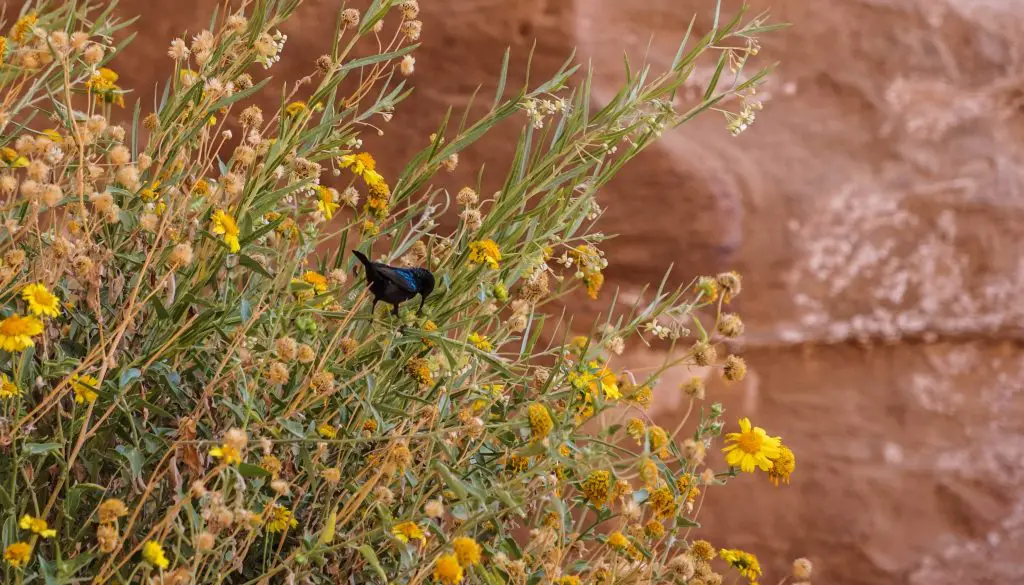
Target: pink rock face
{"type": "Point", "coordinates": [875, 211]}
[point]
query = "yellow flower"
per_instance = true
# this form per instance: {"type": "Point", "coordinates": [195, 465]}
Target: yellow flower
{"type": "Point", "coordinates": [316, 280]}
{"type": "Point", "coordinates": [85, 388]}
{"type": "Point", "coordinates": [370, 227]}
{"type": "Point", "coordinates": [3, 48]}
{"type": "Point", "coordinates": [295, 108]}
{"type": "Point", "coordinates": [635, 428]}
{"type": "Point", "coordinates": [618, 541]}
{"type": "Point", "coordinates": [229, 454]}
{"type": "Point", "coordinates": [687, 488]}
{"type": "Point", "coordinates": [18, 554]}
{"type": "Point", "coordinates": [327, 203]}
{"type": "Point", "coordinates": [481, 342]}
{"type": "Point", "coordinates": [36, 525]}
{"type": "Point", "coordinates": [280, 519]}
{"type": "Point", "coordinates": [224, 225]}
{"type": "Point", "coordinates": [327, 431]}
{"type": "Point", "coordinates": [593, 281]}
{"type": "Point", "coordinates": [745, 563]}
{"type": "Point", "coordinates": [419, 370]}
{"type": "Point", "coordinates": [659, 438]}
{"type": "Point", "coordinates": [104, 84]}
{"type": "Point", "coordinates": [150, 193]}
{"type": "Point", "coordinates": [153, 553]}
{"type": "Point", "coordinates": [24, 25]}
{"type": "Point", "coordinates": [596, 487]}
{"type": "Point", "coordinates": [570, 580]}
{"type": "Point", "coordinates": [654, 530]}
{"type": "Point", "coordinates": [40, 300]}
{"type": "Point", "coordinates": [708, 288]}
{"type": "Point", "coordinates": [201, 188]}
{"type": "Point", "coordinates": [11, 159]}
{"type": "Point", "coordinates": [375, 180]}
{"type": "Point", "coordinates": [597, 377]}
{"type": "Point", "coordinates": [447, 570]}
{"type": "Point", "coordinates": [540, 421]}
{"type": "Point", "coordinates": [53, 135]}
{"type": "Point", "coordinates": [485, 252]}
{"type": "Point", "coordinates": [358, 163]}
{"type": "Point", "coordinates": [16, 332]}
{"type": "Point", "coordinates": [467, 551]}
{"type": "Point", "coordinates": [8, 389]}
{"type": "Point", "coordinates": [406, 531]}
{"type": "Point", "coordinates": [751, 448]}
{"type": "Point", "coordinates": [782, 466]}
{"type": "Point", "coordinates": [663, 503]}
{"type": "Point", "coordinates": [702, 550]}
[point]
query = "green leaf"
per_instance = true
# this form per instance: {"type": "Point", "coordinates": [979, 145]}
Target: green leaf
{"type": "Point", "coordinates": [127, 377]}
{"type": "Point", "coordinates": [371, 558]}
{"type": "Point", "coordinates": [40, 448]}
{"type": "Point", "coordinates": [249, 470]}
{"type": "Point", "coordinates": [253, 265]}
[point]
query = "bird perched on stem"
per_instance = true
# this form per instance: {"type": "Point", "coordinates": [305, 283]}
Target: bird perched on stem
{"type": "Point", "coordinates": [395, 285]}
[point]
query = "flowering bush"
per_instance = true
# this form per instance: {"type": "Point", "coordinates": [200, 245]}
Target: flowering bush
{"type": "Point", "coordinates": [193, 391]}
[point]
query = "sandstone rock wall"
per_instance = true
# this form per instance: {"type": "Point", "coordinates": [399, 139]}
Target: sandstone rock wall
{"type": "Point", "coordinates": [876, 210]}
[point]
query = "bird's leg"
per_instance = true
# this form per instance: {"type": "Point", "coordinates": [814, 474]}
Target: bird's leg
{"type": "Point", "coordinates": [394, 309]}
{"type": "Point", "coordinates": [373, 308]}
{"type": "Point", "coordinates": [422, 300]}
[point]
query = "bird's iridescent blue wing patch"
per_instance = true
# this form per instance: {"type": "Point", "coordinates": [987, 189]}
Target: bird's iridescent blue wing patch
{"type": "Point", "coordinates": [401, 277]}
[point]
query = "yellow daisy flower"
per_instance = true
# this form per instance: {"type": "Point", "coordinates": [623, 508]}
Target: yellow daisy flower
{"type": "Point", "coordinates": [16, 332]}
{"type": "Point", "coordinates": [744, 563]}
{"type": "Point", "coordinates": [481, 342]}
{"type": "Point", "coordinates": [406, 531]}
{"type": "Point", "coordinates": [316, 280]}
{"type": "Point", "coordinates": [85, 388]}
{"type": "Point", "coordinates": [447, 570]}
{"type": "Point", "coordinates": [40, 300]}
{"type": "Point", "coordinates": [782, 466]}
{"type": "Point", "coordinates": [751, 448]}
{"type": "Point", "coordinates": [8, 389]}
{"type": "Point", "coordinates": [280, 519]}
{"type": "Point", "coordinates": [327, 203]}
{"type": "Point", "coordinates": [153, 554]}
{"type": "Point", "coordinates": [467, 551]}
{"type": "Point", "coordinates": [224, 225]}
{"type": "Point", "coordinates": [11, 159]}
{"type": "Point", "coordinates": [37, 526]}
{"type": "Point", "coordinates": [229, 454]}
{"type": "Point", "coordinates": [485, 252]}
{"type": "Point", "coordinates": [18, 554]}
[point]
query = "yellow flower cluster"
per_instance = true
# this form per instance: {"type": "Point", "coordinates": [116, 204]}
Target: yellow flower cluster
{"type": "Point", "coordinates": [485, 252]}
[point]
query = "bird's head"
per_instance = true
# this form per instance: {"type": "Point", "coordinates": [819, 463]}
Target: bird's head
{"type": "Point", "coordinates": [425, 280]}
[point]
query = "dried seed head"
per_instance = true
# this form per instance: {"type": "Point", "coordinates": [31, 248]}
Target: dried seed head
{"type": "Point", "coordinates": [412, 29]}
{"type": "Point", "coordinates": [408, 65]}
{"type": "Point", "coordinates": [305, 354]}
{"type": "Point", "coordinates": [349, 18]}
{"type": "Point", "coordinates": [434, 509]}
{"type": "Point", "coordinates": [119, 155]}
{"type": "Point", "coordinates": [205, 541]}
{"type": "Point", "coordinates": [694, 387]}
{"type": "Point", "coordinates": [181, 255]}
{"type": "Point", "coordinates": [322, 382]}
{"type": "Point", "coordinates": [735, 368]}
{"type": "Point", "coordinates": [236, 438]}
{"type": "Point", "coordinates": [730, 325]}
{"type": "Point", "coordinates": [802, 569]}
{"type": "Point", "coordinates": [466, 197]}
{"type": "Point", "coordinates": [703, 353]}
{"type": "Point", "coordinates": [178, 50]}
{"type": "Point", "coordinates": [93, 55]}
{"type": "Point", "coordinates": [286, 348]}
{"type": "Point", "coordinates": [324, 64]}
{"type": "Point", "coordinates": [730, 283]}
{"type": "Point", "coordinates": [251, 117]}
{"type": "Point", "coordinates": [278, 373]}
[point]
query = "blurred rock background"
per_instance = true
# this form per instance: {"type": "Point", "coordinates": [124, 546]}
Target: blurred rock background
{"type": "Point", "coordinates": [876, 212]}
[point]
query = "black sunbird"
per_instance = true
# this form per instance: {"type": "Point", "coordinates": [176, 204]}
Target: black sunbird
{"type": "Point", "coordinates": [394, 285]}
